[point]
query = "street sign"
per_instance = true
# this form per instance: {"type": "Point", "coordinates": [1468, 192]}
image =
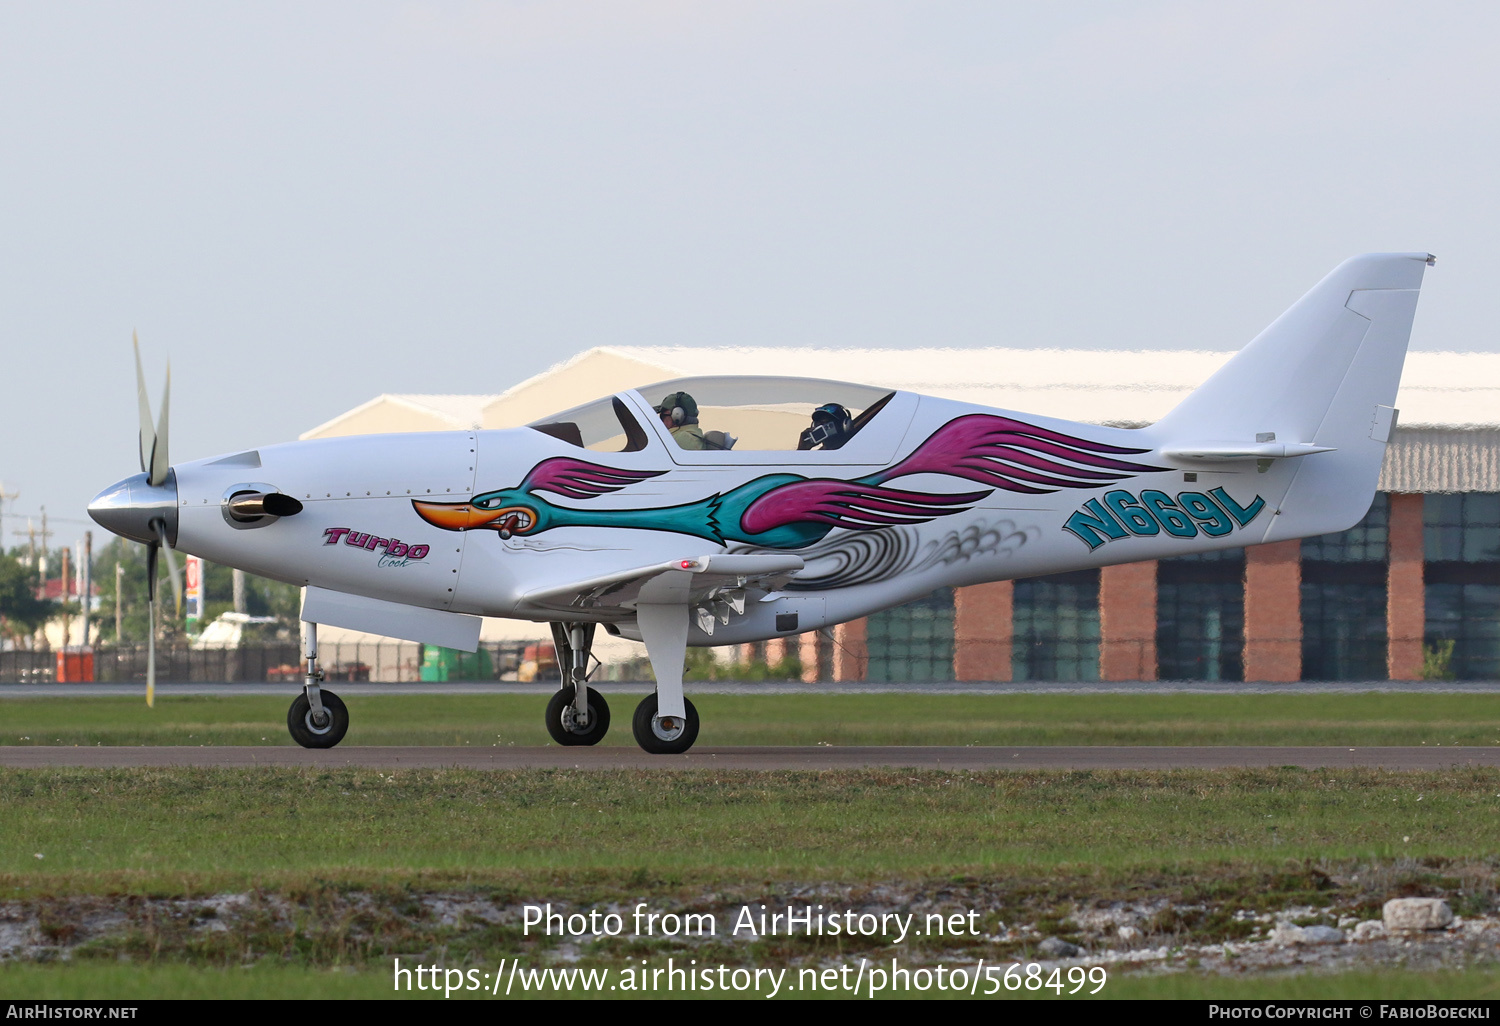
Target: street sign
{"type": "Point", "coordinates": [193, 593]}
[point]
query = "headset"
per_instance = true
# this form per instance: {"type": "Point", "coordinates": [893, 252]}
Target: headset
{"type": "Point", "coordinates": [680, 407]}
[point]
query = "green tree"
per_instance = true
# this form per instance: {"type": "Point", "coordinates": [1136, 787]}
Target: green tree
{"type": "Point", "coordinates": [21, 612]}
{"type": "Point", "coordinates": [263, 597]}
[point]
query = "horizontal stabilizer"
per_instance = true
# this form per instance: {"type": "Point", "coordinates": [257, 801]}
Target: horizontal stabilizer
{"type": "Point", "coordinates": [1229, 452]}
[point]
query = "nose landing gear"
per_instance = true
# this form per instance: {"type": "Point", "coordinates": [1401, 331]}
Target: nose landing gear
{"type": "Point", "coordinates": [317, 718]}
{"type": "Point", "coordinates": [576, 713]}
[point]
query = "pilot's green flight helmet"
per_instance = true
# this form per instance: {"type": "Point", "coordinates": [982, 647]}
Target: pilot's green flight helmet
{"type": "Point", "coordinates": [681, 407]}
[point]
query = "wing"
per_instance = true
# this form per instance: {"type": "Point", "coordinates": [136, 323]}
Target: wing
{"type": "Point", "coordinates": [1016, 456]}
{"type": "Point", "coordinates": [849, 504]}
{"type": "Point", "coordinates": [580, 480]}
{"type": "Point", "coordinates": [678, 581]}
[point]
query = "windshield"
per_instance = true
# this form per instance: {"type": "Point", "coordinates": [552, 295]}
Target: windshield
{"type": "Point", "coordinates": [604, 425]}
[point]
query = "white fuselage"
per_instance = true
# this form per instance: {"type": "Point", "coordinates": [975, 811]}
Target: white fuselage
{"type": "Point", "coordinates": [360, 533]}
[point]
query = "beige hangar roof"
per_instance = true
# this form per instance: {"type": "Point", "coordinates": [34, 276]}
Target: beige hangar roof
{"type": "Point", "coordinates": [386, 413]}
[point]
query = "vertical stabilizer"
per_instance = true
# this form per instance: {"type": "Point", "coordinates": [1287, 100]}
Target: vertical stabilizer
{"type": "Point", "coordinates": [1324, 374]}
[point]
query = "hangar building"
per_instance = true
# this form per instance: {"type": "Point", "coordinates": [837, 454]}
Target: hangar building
{"type": "Point", "coordinates": [1413, 591]}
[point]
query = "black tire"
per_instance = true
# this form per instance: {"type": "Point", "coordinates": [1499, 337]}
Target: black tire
{"type": "Point", "coordinates": [560, 718]}
{"type": "Point", "coordinates": [309, 735]}
{"type": "Point", "coordinates": [654, 738]}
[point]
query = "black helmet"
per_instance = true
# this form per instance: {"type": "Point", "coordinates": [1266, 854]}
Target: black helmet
{"type": "Point", "coordinates": [833, 413]}
{"type": "Point", "coordinates": [830, 427]}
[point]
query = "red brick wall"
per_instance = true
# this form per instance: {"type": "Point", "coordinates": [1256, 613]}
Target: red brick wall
{"type": "Point", "coordinates": [851, 653]}
{"type": "Point", "coordinates": [1273, 611]}
{"type": "Point", "coordinates": [1406, 600]}
{"type": "Point", "coordinates": [807, 653]}
{"type": "Point", "coordinates": [776, 651]}
{"type": "Point", "coordinates": [1127, 621]}
{"type": "Point", "coordinates": [983, 630]}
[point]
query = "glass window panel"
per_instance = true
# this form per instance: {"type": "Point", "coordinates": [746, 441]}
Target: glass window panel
{"type": "Point", "coordinates": [1468, 616]}
{"type": "Point", "coordinates": [1481, 509]}
{"type": "Point", "coordinates": [913, 642]}
{"type": "Point", "coordinates": [1343, 631]}
{"type": "Point", "coordinates": [1200, 630]}
{"type": "Point", "coordinates": [1057, 628]}
{"type": "Point", "coordinates": [1481, 543]}
{"type": "Point", "coordinates": [1442, 543]}
{"type": "Point", "coordinates": [1461, 527]}
{"type": "Point", "coordinates": [1365, 542]}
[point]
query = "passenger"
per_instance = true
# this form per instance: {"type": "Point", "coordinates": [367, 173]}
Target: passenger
{"type": "Point", "coordinates": [829, 429]}
{"type": "Point", "coordinates": [679, 415]}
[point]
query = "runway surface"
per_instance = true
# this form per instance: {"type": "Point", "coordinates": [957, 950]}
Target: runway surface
{"type": "Point", "coordinates": [1152, 687]}
{"type": "Point", "coordinates": [760, 758]}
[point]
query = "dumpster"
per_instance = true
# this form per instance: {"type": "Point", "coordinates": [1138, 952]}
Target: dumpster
{"type": "Point", "coordinates": [442, 664]}
{"type": "Point", "coordinates": [75, 665]}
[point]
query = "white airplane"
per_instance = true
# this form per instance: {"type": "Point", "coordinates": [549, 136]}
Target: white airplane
{"type": "Point", "coordinates": [720, 510]}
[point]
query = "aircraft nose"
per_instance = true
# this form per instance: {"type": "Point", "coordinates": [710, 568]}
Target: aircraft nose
{"type": "Point", "coordinates": [129, 507]}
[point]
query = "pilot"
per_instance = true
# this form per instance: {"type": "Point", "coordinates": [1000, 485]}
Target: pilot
{"type": "Point", "coordinates": [829, 429]}
{"type": "Point", "coordinates": [679, 415]}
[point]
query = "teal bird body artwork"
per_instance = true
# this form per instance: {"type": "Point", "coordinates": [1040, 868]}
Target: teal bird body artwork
{"type": "Point", "coordinates": [790, 511]}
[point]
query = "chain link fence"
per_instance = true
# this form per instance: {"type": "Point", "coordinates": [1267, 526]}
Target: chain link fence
{"type": "Point", "coordinates": [388, 661]}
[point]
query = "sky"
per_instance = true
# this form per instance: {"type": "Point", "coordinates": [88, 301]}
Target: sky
{"type": "Point", "coordinates": [302, 206]}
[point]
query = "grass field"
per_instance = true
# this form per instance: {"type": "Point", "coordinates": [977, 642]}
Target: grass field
{"type": "Point", "coordinates": [1358, 720]}
{"type": "Point", "coordinates": [191, 831]}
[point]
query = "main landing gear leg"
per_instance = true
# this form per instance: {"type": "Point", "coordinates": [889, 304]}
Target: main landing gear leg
{"type": "Point", "coordinates": [576, 714]}
{"type": "Point", "coordinates": [317, 718]}
{"type": "Point", "coordinates": [665, 723]}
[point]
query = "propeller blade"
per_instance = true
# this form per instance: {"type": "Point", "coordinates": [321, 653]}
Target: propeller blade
{"type": "Point", "coordinates": [172, 574]}
{"type": "Point", "coordinates": [148, 433]}
{"type": "Point", "coordinates": [160, 463]}
{"type": "Point", "coordinates": [151, 554]}
{"type": "Point", "coordinates": [151, 649]}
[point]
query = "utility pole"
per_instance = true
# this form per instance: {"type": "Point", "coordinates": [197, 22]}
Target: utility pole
{"type": "Point", "coordinates": [4, 498]}
{"type": "Point", "coordinates": [86, 593]}
{"type": "Point", "coordinates": [31, 535]}
{"type": "Point", "coordinates": [67, 588]}
{"type": "Point", "coordinates": [239, 591]}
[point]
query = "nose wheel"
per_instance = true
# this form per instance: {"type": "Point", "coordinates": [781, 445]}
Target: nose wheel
{"type": "Point", "coordinates": [317, 718]}
{"type": "Point", "coordinates": [664, 735]}
{"type": "Point", "coordinates": [570, 727]}
{"type": "Point", "coordinates": [311, 730]}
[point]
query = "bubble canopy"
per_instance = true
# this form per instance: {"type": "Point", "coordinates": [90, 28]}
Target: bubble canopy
{"type": "Point", "coordinates": [766, 412]}
{"type": "Point", "coordinates": [759, 413]}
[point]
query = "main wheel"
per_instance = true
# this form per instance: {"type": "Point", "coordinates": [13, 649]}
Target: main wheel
{"type": "Point", "coordinates": [299, 720]}
{"type": "Point", "coordinates": [664, 735]}
{"type": "Point", "coordinates": [562, 721]}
